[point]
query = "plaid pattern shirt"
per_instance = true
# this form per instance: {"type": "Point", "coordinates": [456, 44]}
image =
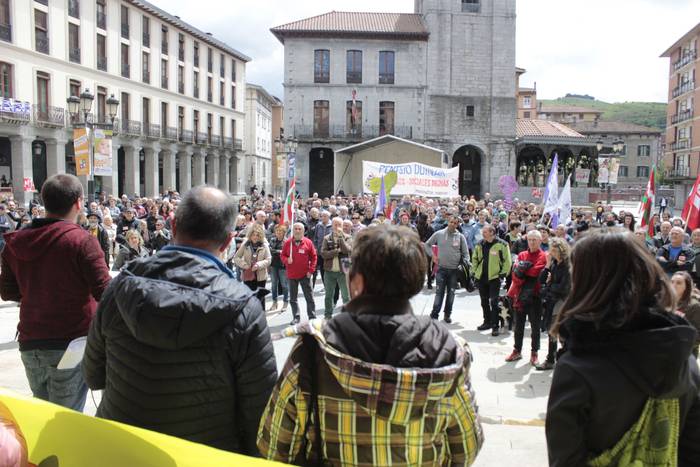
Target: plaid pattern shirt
{"type": "Point", "coordinates": [371, 414]}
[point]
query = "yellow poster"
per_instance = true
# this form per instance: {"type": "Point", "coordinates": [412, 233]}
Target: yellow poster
{"type": "Point", "coordinates": [103, 152]}
{"type": "Point", "coordinates": [82, 151]}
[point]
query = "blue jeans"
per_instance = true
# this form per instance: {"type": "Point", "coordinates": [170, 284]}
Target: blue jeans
{"type": "Point", "coordinates": [445, 281]}
{"type": "Point", "coordinates": [63, 387]}
{"type": "Point", "coordinates": [278, 276]}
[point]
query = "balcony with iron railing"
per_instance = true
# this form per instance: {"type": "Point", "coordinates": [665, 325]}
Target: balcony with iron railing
{"type": "Point", "coordinates": [101, 20]}
{"type": "Point", "coordinates": [102, 63]}
{"type": "Point", "coordinates": [74, 54]}
{"type": "Point", "coordinates": [683, 88]}
{"type": "Point", "coordinates": [215, 140]}
{"type": "Point", "coordinates": [170, 133]}
{"type": "Point", "coordinates": [20, 115]}
{"type": "Point", "coordinates": [682, 116]}
{"type": "Point", "coordinates": [238, 144]}
{"type": "Point", "coordinates": [74, 8]}
{"type": "Point", "coordinates": [42, 43]}
{"type": "Point", "coordinates": [78, 120]}
{"type": "Point", "coordinates": [353, 77]}
{"type": "Point", "coordinates": [130, 128]}
{"type": "Point", "coordinates": [228, 142]}
{"type": "Point", "coordinates": [201, 138]}
{"type": "Point", "coordinates": [186, 136]}
{"type": "Point", "coordinates": [386, 78]}
{"type": "Point", "coordinates": [126, 70]}
{"type": "Point", "coordinates": [678, 173]}
{"type": "Point", "coordinates": [471, 7]}
{"type": "Point", "coordinates": [686, 59]}
{"type": "Point", "coordinates": [343, 133]}
{"type": "Point", "coordinates": [146, 39]}
{"type": "Point", "coordinates": [49, 116]}
{"type": "Point", "coordinates": [125, 30]}
{"type": "Point", "coordinates": [681, 144]}
{"type": "Point", "coordinates": [151, 130]}
{"type": "Point", "coordinates": [6, 32]}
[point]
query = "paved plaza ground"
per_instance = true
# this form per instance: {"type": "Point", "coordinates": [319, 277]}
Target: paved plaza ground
{"type": "Point", "coordinates": [512, 397]}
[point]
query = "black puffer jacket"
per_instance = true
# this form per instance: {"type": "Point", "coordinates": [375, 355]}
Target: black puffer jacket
{"type": "Point", "coordinates": [602, 382]}
{"type": "Point", "coordinates": [181, 348]}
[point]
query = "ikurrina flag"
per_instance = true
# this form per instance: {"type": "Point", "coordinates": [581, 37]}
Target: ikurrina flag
{"type": "Point", "coordinates": [288, 211]}
{"type": "Point", "coordinates": [691, 209]}
{"type": "Point", "coordinates": [647, 206]}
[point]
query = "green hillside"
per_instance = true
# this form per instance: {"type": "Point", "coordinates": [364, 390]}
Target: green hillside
{"type": "Point", "coordinates": [651, 114]}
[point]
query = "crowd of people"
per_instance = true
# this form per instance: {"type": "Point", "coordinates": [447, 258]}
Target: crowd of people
{"type": "Point", "coordinates": [371, 383]}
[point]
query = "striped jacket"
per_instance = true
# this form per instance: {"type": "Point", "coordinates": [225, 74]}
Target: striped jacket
{"type": "Point", "coordinates": [371, 414]}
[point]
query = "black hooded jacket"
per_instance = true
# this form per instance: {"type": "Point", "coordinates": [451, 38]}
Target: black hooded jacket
{"type": "Point", "coordinates": [181, 348]}
{"type": "Point", "coordinates": [602, 382]}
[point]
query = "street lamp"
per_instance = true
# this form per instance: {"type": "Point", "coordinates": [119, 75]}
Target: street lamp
{"type": "Point", "coordinates": [112, 107]}
{"type": "Point", "coordinates": [86, 99]}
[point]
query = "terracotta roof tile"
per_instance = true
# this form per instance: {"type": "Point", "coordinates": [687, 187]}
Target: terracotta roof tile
{"type": "Point", "coordinates": [344, 22]}
{"type": "Point", "coordinates": [526, 127]}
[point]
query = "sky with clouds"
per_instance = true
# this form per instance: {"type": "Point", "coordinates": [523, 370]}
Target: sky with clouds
{"type": "Point", "coordinates": [605, 48]}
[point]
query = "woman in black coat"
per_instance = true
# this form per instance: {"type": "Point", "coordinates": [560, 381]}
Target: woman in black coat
{"type": "Point", "coordinates": [622, 347]}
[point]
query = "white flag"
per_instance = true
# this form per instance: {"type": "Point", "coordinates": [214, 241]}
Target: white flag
{"type": "Point", "coordinates": [565, 203]}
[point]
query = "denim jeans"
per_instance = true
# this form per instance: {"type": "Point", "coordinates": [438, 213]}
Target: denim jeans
{"type": "Point", "coordinates": [63, 387]}
{"type": "Point", "coordinates": [445, 282]}
{"type": "Point", "coordinates": [331, 282]}
{"type": "Point", "coordinates": [279, 286]}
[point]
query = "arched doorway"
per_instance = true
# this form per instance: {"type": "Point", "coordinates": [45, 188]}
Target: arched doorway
{"type": "Point", "coordinates": [121, 172]}
{"type": "Point", "coordinates": [39, 170]}
{"type": "Point", "coordinates": [468, 158]}
{"type": "Point", "coordinates": [531, 166]}
{"type": "Point", "coordinates": [321, 168]}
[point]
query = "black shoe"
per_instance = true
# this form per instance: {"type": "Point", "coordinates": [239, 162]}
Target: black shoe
{"type": "Point", "coordinates": [484, 327]}
{"type": "Point", "coordinates": [433, 316]}
{"type": "Point", "coordinates": [448, 320]}
{"type": "Point", "coordinates": [547, 365]}
{"type": "Point", "coordinates": [430, 286]}
{"type": "Point", "coordinates": [295, 321]}
{"type": "Point", "coordinates": [311, 316]}
{"type": "Point", "coordinates": [494, 332]}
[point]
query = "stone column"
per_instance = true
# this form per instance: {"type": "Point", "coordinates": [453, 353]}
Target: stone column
{"type": "Point", "coordinates": [213, 169]}
{"type": "Point", "coordinates": [131, 171]}
{"type": "Point", "coordinates": [151, 169]}
{"type": "Point", "coordinates": [185, 171]}
{"type": "Point", "coordinates": [21, 148]}
{"type": "Point", "coordinates": [199, 167]}
{"type": "Point", "coordinates": [55, 157]}
{"type": "Point", "coordinates": [224, 174]}
{"type": "Point", "coordinates": [169, 167]}
{"type": "Point", "coordinates": [235, 185]}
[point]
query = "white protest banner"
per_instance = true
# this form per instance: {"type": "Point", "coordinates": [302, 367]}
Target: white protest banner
{"type": "Point", "coordinates": [414, 179]}
{"type": "Point", "coordinates": [582, 176]}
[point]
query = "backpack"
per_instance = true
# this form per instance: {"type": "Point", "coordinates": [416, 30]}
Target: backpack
{"type": "Point", "coordinates": [651, 442]}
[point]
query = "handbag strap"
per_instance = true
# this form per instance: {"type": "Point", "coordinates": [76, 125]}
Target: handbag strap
{"type": "Point", "coordinates": [310, 345]}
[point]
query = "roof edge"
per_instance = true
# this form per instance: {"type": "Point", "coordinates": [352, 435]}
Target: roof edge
{"type": "Point", "coordinates": [667, 52]}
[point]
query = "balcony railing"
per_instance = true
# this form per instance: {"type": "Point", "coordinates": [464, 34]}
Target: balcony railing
{"type": "Point", "coordinates": [238, 144]}
{"type": "Point", "coordinates": [74, 8]}
{"type": "Point", "coordinates": [146, 76]}
{"type": "Point", "coordinates": [164, 47]}
{"type": "Point", "coordinates": [354, 77]}
{"type": "Point", "coordinates": [18, 113]}
{"type": "Point", "coordinates": [131, 128]}
{"type": "Point", "coordinates": [201, 138]}
{"type": "Point", "coordinates": [78, 119]}
{"type": "Point", "coordinates": [49, 116]}
{"type": "Point", "coordinates": [228, 142]}
{"type": "Point", "coordinates": [101, 20]}
{"type": "Point", "coordinates": [126, 70]}
{"type": "Point", "coordinates": [682, 116]}
{"type": "Point", "coordinates": [678, 173]}
{"type": "Point", "coordinates": [170, 133]}
{"type": "Point", "coordinates": [74, 54]}
{"type": "Point", "coordinates": [42, 44]}
{"type": "Point", "coordinates": [683, 88]}
{"type": "Point", "coordinates": [682, 144]}
{"type": "Point", "coordinates": [471, 7]}
{"type": "Point", "coordinates": [6, 32]}
{"type": "Point", "coordinates": [146, 39]}
{"type": "Point", "coordinates": [186, 136]}
{"type": "Point", "coordinates": [685, 60]}
{"type": "Point", "coordinates": [215, 140]}
{"type": "Point", "coordinates": [322, 77]}
{"type": "Point", "coordinates": [151, 130]}
{"type": "Point", "coordinates": [125, 31]}
{"type": "Point", "coordinates": [102, 63]}
{"type": "Point", "coordinates": [343, 133]}
{"type": "Point", "coordinates": [386, 78]}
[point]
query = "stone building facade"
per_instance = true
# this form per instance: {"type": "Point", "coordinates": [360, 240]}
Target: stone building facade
{"type": "Point", "coordinates": [443, 76]}
{"type": "Point", "coordinates": [259, 141]}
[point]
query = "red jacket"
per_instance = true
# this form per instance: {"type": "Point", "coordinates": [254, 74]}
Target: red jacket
{"type": "Point", "coordinates": [303, 255]}
{"type": "Point", "coordinates": [57, 271]}
{"type": "Point", "coordinates": [539, 261]}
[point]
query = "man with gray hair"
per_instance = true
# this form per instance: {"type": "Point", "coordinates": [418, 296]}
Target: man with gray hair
{"type": "Point", "coordinates": [178, 345]}
{"type": "Point", "coordinates": [675, 256]}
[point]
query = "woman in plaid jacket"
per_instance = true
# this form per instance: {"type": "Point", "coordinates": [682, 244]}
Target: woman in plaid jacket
{"type": "Point", "coordinates": [389, 388]}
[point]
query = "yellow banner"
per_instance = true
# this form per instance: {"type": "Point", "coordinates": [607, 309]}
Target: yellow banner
{"type": "Point", "coordinates": [59, 436]}
{"type": "Point", "coordinates": [82, 151]}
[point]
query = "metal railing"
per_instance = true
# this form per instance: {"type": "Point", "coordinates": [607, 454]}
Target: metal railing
{"type": "Point", "coordinates": [164, 47]}
{"type": "Point", "coordinates": [386, 78]}
{"type": "Point", "coordinates": [74, 54]}
{"type": "Point", "coordinates": [685, 59]}
{"type": "Point", "coordinates": [471, 7]}
{"type": "Point", "coordinates": [6, 32]}
{"type": "Point", "coordinates": [170, 133]}
{"type": "Point", "coordinates": [125, 31]}
{"type": "Point", "coordinates": [209, 96]}
{"type": "Point", "coordinates": [678, 172]}
{"type": "Point", "coordinates": [238, 144]}
{"type": "Point", "coordinates": [341, 132]}
{"type": "Point", "coordinates": [42, 44]}
{"type": "Point", "coordinates": [201, 138]}
{"type": "Point", "coordinates": [126, 70]}
{"type": "Point", "coordinates": [682, 116]}
{"type": "Point", "coordinates": [186, 136]}
{"type": "Point", "coordinates": [101, 20]}
{"type": "Point", "coordinates": [17, 118]}
{"type": "Point", "coordinates": [228, 142]}
{"type": "Point", "coordinates": [322, 77]}
{"type": "Point", "coordinates": [146, 39]}
{"type": "Point", "coordinates": [151, 130]}
{"type": "Point", "coordinates": [683, 88]}
{"type": "Point", "coordinates": [102, 63]}
{"type": "Point", "coordinates": [164, 82]}
{"type": "Point", "coordinates": [46, 115]}
{"type": "Point", "coordinates": [78, 119]}
{"type": "Point", "coordinates": [682, 144]}
{"type": "Point", "coordinates": [131, 128]}
{"type": "Point", "coordinates": [353, 77]}
{"type": "Point", "coordinates": [181, 87]}
{"type": "Point", "coordinates": [181, 54]}
{"type": "Point", "coordinates": [215, 140]}
{"type": "Point", "coordinates": [146, 76]}
{"type": "Point", "coordinates": [74, 8]}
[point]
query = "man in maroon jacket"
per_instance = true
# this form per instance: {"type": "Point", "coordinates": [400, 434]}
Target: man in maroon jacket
{"type": "Point", "coordinates": [299, 255]}
{"type": "Point", "coordinates": [57, 271]}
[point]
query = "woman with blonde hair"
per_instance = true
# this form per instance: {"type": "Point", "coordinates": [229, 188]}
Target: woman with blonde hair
{"type": "Point", "coordinates": [253, 257]}
{"type": "Point", "coordinates": [132, 249]}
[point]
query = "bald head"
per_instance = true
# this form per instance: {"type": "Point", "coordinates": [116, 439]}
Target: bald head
{"type": "Point", "coordinates": [204, 216]}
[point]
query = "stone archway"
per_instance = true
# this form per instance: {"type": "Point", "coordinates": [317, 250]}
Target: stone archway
{"type": "Point", "coordinates": [531, 166]}
{"type": "Point", "coordinates": [468, 158]}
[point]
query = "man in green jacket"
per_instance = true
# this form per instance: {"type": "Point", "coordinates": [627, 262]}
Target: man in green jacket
{"type": "Point", "coordinates": [490, 263]}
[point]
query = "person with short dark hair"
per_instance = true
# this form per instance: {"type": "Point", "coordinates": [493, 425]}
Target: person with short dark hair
{"type": "Point", "coordinates": [178, 345]}
{"type": "Point", "coordinates": [57, 271]}
{"type": "Point", "coordinates": [625, 351]}
{"type": "Point", "coordinates": [96, 229]}
{"type": "Point", "coordinates": [402, 381]}
{"type": "Point", "coordinates": [491, 262]}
